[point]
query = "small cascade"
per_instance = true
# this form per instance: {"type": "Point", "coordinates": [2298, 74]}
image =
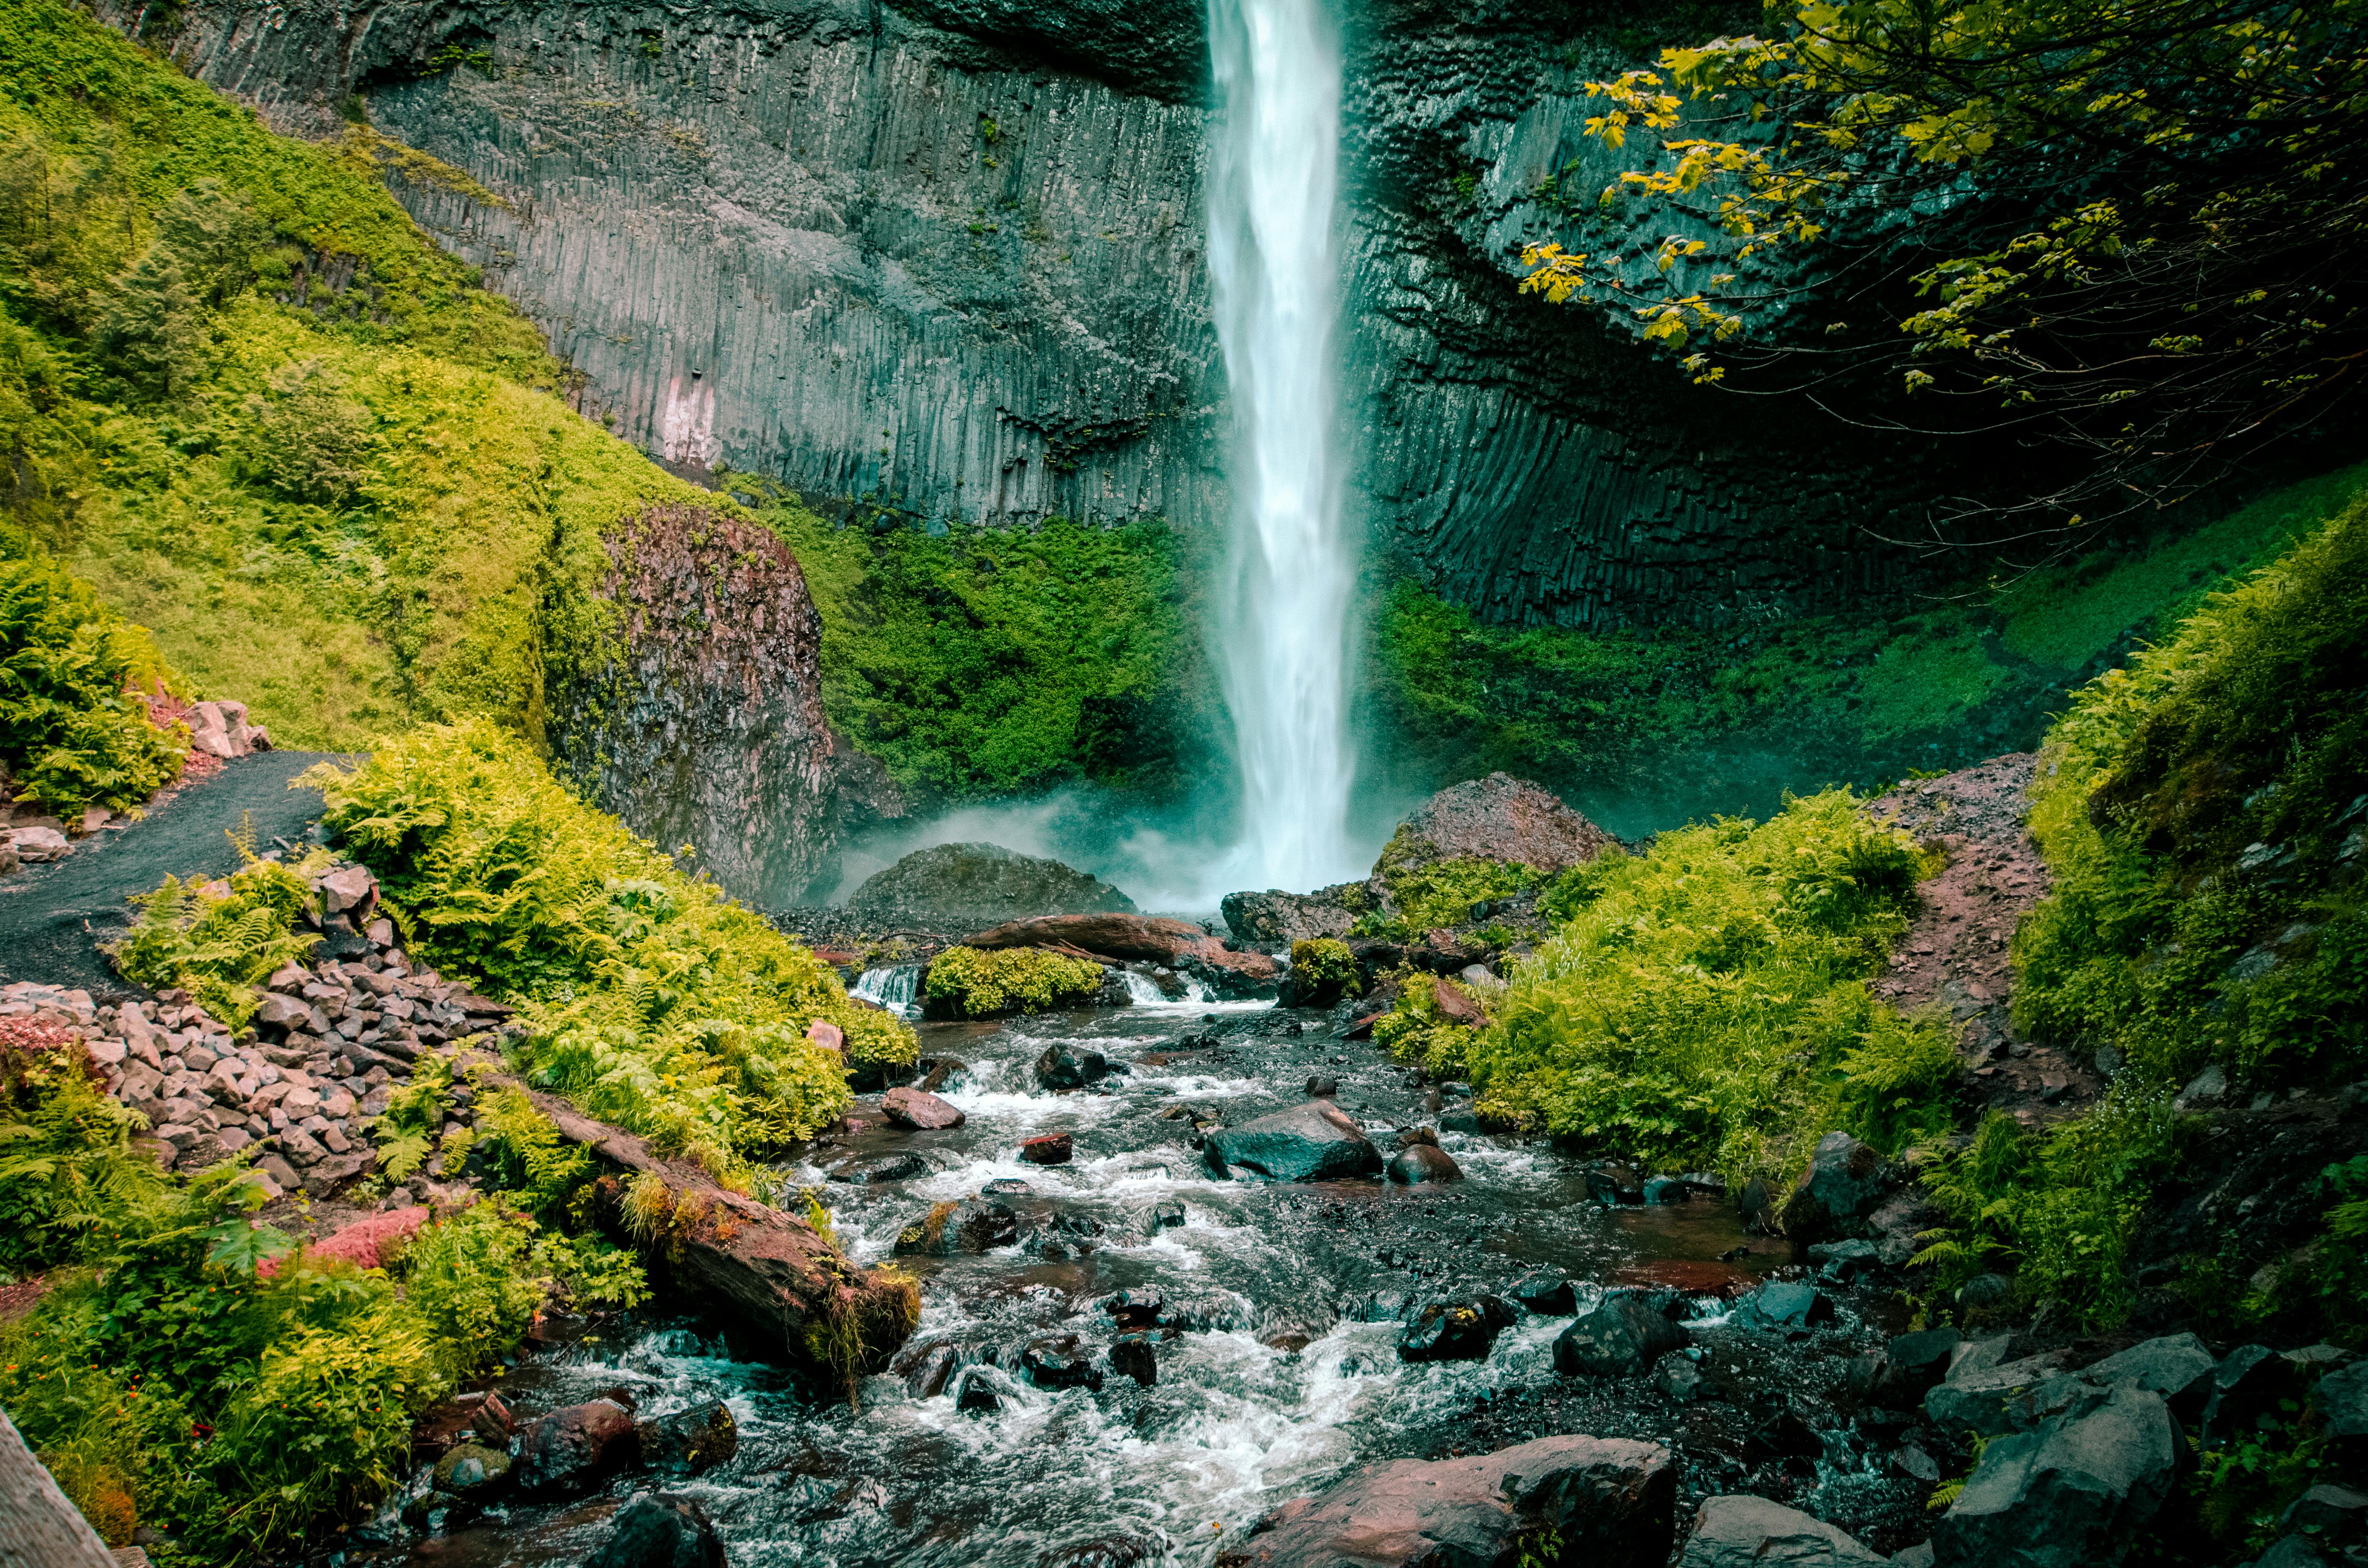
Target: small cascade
{"type": "Point", "coordinates": [1141, 991]}
{"type": "Point", "coordinates": [896, 988]}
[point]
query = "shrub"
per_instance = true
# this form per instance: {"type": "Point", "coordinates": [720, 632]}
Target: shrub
{"type": "Point", "coordinates": [67, 1168]}
{"type": "Point", "coordinates": [1440, 893]}
{"type": "Point", "coordinates": [1325, 964]}
{"type": "Point", "coordinates": [70, 733]}
{"type": "Point", "coordinates": [970, 982]}
{"type": "Point", "coordinates": [1704, 1003]}
{"type": "Point", "coordinates": [220, 940]}
{"type": "Point", "coordinates": [650, 999]}
{"type": "Point", "coordinates": [472, 1280]}
{"type": "Point", "coordinates": [528, 1159]}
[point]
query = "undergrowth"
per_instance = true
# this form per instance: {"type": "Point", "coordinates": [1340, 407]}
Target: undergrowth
{"type": "Point", "coordinates": [650, 999]}
{"type": "Point", "coordinates": [1704, 1004]}
{"type": "Point", "coordinates": [972, 983]}
{"type": "Point", "coordinates": [220, 940]}
{"type": "Point", "coordinates": [72, 735]}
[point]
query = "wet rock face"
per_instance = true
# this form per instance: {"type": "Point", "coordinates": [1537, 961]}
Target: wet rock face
{"type": "Point", "coordinates": [573, 1449]}
{"type": "Point", "coordinates": [706, 728]}
{"type": "Point", "coordinates": [1619, 1339]}
{"type": "Point", "coordinates": [1275, 917]}
{"type": "Point", "coordinates": [2075, 1491]}
{"type": "Point", "coordinates": [1752, 1532]}
{"type": "Point", "coordinates": [659, 1530]}
{"type": "Point", "coordinates": [964, 886]}
{"type": "Point", "coordinates": [1610, 1500]}
{"type": "Point", "coordinates": [948, 257]}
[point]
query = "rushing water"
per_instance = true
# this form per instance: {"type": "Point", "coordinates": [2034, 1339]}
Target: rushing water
{"type": "Point", "coordinates": [1276, 1383]}
{"type": "Point", "coordinates": [1273, 265]}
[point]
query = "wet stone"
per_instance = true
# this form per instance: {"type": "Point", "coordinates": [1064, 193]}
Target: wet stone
{"type": "Point", "coordinates": [1546, 1292]}
{"type": "Point", "coordinates": [1454, 1331]}
{"type": "Point", "coordinates": [888, 1168]}
{"type": "Point", "coordinates": [1134, 1355]}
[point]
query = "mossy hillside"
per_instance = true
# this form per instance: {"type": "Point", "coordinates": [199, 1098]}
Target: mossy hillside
{"type": "Point", "coordinates": [353, 507]}
{"type": "Point", "coordinates": [983, 662]}
{"type": "Point", "coordinates": [973, 983]}
{"type": "Point", "coordinates": [649, 999]}
{"type": "Point", "coordinates": [1703, 1005]}
{"type": "Point", "coordinates": [1751, 710]}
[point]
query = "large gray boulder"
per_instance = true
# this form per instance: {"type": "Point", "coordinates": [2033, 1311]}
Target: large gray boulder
{"type": "Point", "coordinates": [1275, 918]}
{"type": "Point", "coordinates": [1752, 1532]}
{"type": "Point", "coordinates": [1497, 818]}
{"type": "Point", "coordinates": [1619, 1339]}
{"type": "Point", "coordinates": [2177, 1367]}
{"type": "Point", "coordinates": [1315, 1142]}
{"type": "Point", "coordinates": [2008, 1398]}
{"type": "Point", "coordinates": [2072, 1494]}
{"type": "Point", "coordinates": [959, 886]}
{"type": "Point", "coordinates": [1610, 1502]}
{"type": "Point", "coordinates": [1846, 1181]}
{"type": "Point", "coordinates": [659, 1529]}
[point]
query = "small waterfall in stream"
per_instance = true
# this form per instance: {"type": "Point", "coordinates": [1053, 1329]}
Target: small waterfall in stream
{"type": "Point", "coordinates": [1273, 260]}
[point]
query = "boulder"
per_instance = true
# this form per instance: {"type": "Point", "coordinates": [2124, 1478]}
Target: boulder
{"type": "Point", "coordinates": [1787, 1303]}
{"type": "Point", "coordinates": [689, 1441]}
{"type": "Point", "coordinates": [1066, 1067]}
{"type": "Point", "coordinates": [1609, 1501]}
{"type": "Point", "coordinates": [1454, 1331]}
{"type": "Point", "coordinates": [1752, 1532]}
{"type": "Point", "coordinates": [659, 1530]}
{"type": "Point", "coordinates": [1136, 1356]}
{"type": "Point", "coordinates": [1315, 1142]}
{"type": "Point", "coordinates": [1898, 1376]}
{"type": "Point", "coordinates": [2007, 1398]}
{"type": "Point", "coordinates": [1175, 943]}
{"type": "Point", "coordinates": [1546, 1292]}
{"type": "Point", "coordinates": [1420, 1163]}
{"type": "Point", "coordinates": [1619, 1339]}
{"type": "Point", "coordinates": [919, 1110]}
{"type": "Point", "coordinates": [575, 1448]}
{"type": "Point", "coordinates": [1059, 1362]}
{"type": "Point", "coordinates": [1052, 1149]}
{"type": "Point", "coordinates": [973, 1225]}
{"type": "Point", "coordinates": [2177, 1367]}
{"type": "Point", "coordinates": [1846, 1181]}
{"type": "Point", "coordinates": [2341, 1398]}
{"type": "Point", "coordinates": [887, 1168]}
{"type": "Point", "coordinates": [953, 887]}
{"type": "Point", "coordinates": [1495, 818]}
{"type": "Point", "coordinates": [1277, 918]}
{"type": "Point", "coordinates": [472, 1470]}
{"type": "Point", "coordinates": [2071, 1493]}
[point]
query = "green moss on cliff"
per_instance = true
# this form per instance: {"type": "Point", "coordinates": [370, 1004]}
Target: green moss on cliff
{"type": "Point", "coordinates": [1856, 698]}
{"type": "Point", "coordinates": [985, 662]}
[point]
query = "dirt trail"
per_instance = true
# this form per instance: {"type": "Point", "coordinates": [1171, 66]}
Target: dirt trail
{"type": "Point", "coordinates": [1954, 954]}
{"type": "Point", "coordinates": [51, 916]}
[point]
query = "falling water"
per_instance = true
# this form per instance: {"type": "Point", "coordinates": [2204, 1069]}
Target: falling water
{"type": "Point", "coordinates": [1272, 265]}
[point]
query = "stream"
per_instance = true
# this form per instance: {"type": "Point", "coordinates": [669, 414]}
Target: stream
{"type": "Point", "coordinates": [1271, 1383]}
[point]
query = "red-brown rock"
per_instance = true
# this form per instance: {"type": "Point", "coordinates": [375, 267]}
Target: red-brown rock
{"type": "Point", "coordinates": [572, 1450]}
{"type": "Point", "coordinates": [918, 1110]}
{"type": "Point", "coordinates": [1053, 1149]}
{"type": "Point", "coordinates": [1497, 818]}
{"type": "Point", "coordinates": [1456, 1007]}
{"type": "Point", "coordinates": [1610, 1502]}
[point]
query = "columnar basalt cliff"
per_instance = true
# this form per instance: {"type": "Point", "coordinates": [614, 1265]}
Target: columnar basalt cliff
{"type": "Point", "coordinates": [705, 725]}
{"type": "Point", "coordinates": [949, 260]}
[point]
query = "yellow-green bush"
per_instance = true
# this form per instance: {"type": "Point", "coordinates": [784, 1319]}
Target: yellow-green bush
{"type": "Point", "coordinates": [650, 1000]}
{"type": "Point", "coordinates": [1705, 1002]}
{"type": "Point", "coordinates": [70, 735]}
{"type": "Point", "coordinates": [970, 982]}
{"type": "Point", "coordinates": [1440, 892]}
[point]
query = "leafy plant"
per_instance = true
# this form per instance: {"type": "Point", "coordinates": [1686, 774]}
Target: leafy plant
{"type": "Point", "coordinates": [70, 733]}
{"type": "Point", "coordinates": [220, 940]}
{"type": "Point", "coordinates": [972, 983]}
{"type": "Point", "coordinates": [529, 1161]}
{"type": "Point", "coordinates": [406, 1131]}
{"type": "Point", "coordinates": [68, 1172]}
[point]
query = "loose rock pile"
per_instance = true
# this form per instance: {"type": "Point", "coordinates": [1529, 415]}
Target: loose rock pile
{"type": "Point", "coordinates": [327, 1048]}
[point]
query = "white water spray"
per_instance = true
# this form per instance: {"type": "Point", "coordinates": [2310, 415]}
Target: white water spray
{"type": "Point", "coordinates": [1273, 260]}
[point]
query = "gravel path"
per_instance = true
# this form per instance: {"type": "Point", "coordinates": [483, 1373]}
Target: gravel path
{"type": "Point", "coordinates": [53, 916]}
{"type": "Point", "coordinates": [1955, 952]}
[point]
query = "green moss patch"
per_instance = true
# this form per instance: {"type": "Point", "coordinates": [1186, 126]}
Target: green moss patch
{"type": "Point", "coordinates": [973, 983]}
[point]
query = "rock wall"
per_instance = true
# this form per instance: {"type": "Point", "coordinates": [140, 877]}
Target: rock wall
{"type": "Point", "coordinates": [706, 726]}
{"type": "Point", "coordinates": [946, 258]}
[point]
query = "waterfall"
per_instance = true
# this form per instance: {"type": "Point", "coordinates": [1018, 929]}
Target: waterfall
{"type": "Point", "coordinates": [1273, 260]}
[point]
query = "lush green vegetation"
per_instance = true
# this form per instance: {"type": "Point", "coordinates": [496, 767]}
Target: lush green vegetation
{"type": "Point", "coordinates": [221, 941]}
{"type": "Point", "coordinates": [192, 1370]}
{"type": "Point", "coordinates": [72, 735]}
{"type": "Point", "coordinates": [259, 413]}
{"type": "Point", "coordinates": [974, 983]}
{"type": "Point", "coordinates": [1866, 698]}
{"type": "Point", "coordinates": [1704, 1005]}
{"type": "Point", "coordinates": [983, 662]}
{"type": "Point", "coordinates": [1425, 894]}
{"type": "Point", "coordinates": [650, 1000]}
